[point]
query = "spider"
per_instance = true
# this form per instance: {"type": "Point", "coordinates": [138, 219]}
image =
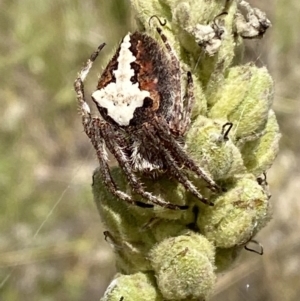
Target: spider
{"type": "Point", "coordinates": [144, 117]}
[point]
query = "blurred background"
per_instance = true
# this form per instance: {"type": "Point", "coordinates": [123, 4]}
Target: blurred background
{"type": "Point", "coordinates": [51, 237]}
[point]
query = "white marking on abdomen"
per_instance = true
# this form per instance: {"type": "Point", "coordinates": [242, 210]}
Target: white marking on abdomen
{"type": "Point", "coordinates": [122, 97]}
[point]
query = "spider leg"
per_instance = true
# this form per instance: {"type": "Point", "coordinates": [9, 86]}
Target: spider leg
{"type": "Point", "coordinates": [111, 142]}
{"type": "Point", "coordinates": [182, 178]}
{"type": "Point", "coordinates": [181, 117]}
{"type": "Point", "coordinates": [79, 86]}
{"type": "Point", "coordinates": [190, 101]}
{"type": "Point", "coordinates": [176, 73]}
{"type": "Point", "coordinates": [174, 169]}
{"type": "Point", "coordinates": [179, 153]}
{"type": "Point", "coordinates": [93, 131]}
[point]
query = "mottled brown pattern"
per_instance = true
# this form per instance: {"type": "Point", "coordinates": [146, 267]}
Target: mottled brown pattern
{"type": "Point", "coordinates": [107, 75]}
{"type": "Point", "coordinates": [147, 78]}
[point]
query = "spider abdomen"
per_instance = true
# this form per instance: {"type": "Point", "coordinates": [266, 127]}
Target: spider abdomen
{"type": "Point", "coordinates": [136, 83]}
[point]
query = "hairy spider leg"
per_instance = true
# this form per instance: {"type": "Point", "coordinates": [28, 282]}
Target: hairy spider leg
{"type": "Point", "coordinates": [175, 66]}
{"type": "Point", "coordinates": [183, 179]}
{"type": "Point", "coordinates": [175, 170]}
{"type": "Point", "coordinates": [178, 152]}
{"type": "Point", "coordinates": [79, 86]}
{"type": "Point", "coordinates": [107, 132]}
{"type": "Point", "coordinates": [189, 100]}
{"type": "Point", "coordinates": [181, 116]}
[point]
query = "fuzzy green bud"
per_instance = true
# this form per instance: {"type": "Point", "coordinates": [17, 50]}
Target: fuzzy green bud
{"type": "Point", "coordinates": [137, 287]}
{"type": "Point", "coordinates": [236, 215]}
{"type": "Point", "coordinates": [259, 155]}
{"type": "Point", "coordinates": [245, 99]}
{"type": "Point", "coordinates": [184, 267]}
{"type": "Point", "coordinates": [207, 146]}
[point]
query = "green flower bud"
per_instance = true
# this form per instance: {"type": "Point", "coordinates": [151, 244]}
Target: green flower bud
{"type": "Point", "coordinates": [137, 287]}
{"type": "Point", "coordinates": [184, 267]}
{"type": "Point", "coordinates": [212, 71]}
{"type": "Point", "coordinates": [260, 154]}
{"type": "Point", "coordinates": [144, 10]}
{"type": "Point", "coordinates": [236, 215]}
{"type": "Point", "coordinates": [207, 146]}
{"type": "Point", "coordinates": [206, 38]}
{"type": "Point", "coordinates": [245, 99]}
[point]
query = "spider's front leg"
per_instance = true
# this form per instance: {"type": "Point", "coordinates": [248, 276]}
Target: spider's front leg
{"type": "Point", "coordinates": [182, 111]}
{"type": "Point", "coordinates": [187, 106]}
{"type": "Point", "coordinates": [176, 77]}
{"type": "Point", "coordinates": [181, 115]}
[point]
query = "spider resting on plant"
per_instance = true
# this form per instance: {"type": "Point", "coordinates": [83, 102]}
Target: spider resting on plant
{"type": "Point", "coordinates": [144, 117]}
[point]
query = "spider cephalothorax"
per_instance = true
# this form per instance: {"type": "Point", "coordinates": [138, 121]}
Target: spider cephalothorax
{"type": "Point", "coordinates": [144, 117]}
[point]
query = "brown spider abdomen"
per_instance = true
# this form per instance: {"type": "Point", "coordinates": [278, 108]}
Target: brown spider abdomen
{"type": "Point", "coordinates": [135, 85]}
